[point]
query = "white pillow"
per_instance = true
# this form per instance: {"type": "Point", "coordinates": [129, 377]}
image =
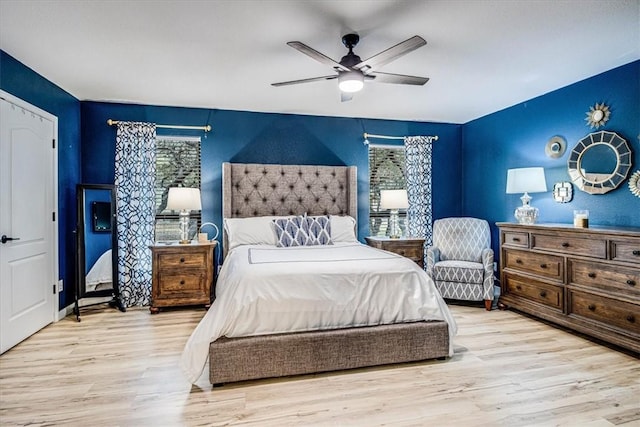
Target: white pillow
{"type": "Point", "coordinates": [343, 229]}
{"type": "Point", "coordinates": [251, 231]}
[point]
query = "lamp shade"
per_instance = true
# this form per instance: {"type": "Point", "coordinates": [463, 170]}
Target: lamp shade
{"type": "Point", "coordinates": [394, 199]}
{"type": "Point", "coordinates": [526, 180]}
{"type": "Point", "coordinates": [184, 199]}
{"type": "Point", "coordinates": [350, 81]}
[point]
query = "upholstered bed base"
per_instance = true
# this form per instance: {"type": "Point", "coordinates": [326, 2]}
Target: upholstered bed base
{"type": "Point", "coordinates": [268, 356]}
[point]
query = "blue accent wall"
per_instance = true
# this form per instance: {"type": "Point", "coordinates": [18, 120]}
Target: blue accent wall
{"type": "Point", "coordinates": [247, 137]}
{"type": "Point", "coordinates": [24, 83]}
{"type": "Point", "coordinates": [517, 136]}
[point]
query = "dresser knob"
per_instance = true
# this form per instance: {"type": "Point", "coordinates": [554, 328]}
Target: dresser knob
{"type": "Point", "coordinates": [543, 294]}
{"type": "Point", "coordinates": [516, 239]}
{"type": "Point", "coordinates": [518, 287]}
{"type": "Point", "coordinates": [636, 252]}
{"type": "Point", "coordinates": [631, 282]}
{"type": "Point", "coordinates": [591, 307]}
{"type": "Point", "coordinates": [518, 261]}
{"type": "Point", "coordinates": [181, 259]}
{"type": "Point", "coordinates": [543, 265]}
{"type": "Point", "coordinates": [592, 275]}
{"type": "Point", "coordinates": [631, 318]}
{"type": "Point", "coordinates": [402, 253]}
{"type": "Point", "coordinates": [565, 245]}
{"type": "Point", "coordinates": [182, 282]}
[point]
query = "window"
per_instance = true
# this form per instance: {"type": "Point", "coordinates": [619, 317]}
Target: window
{"type": "Point", "coordinates": [386, 172]}
{"type": "Point", "coordinates": [177, 165]}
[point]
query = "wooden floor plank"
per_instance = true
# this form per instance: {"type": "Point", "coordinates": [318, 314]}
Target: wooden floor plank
{"type": "Point", "coordinates": [121, 369]}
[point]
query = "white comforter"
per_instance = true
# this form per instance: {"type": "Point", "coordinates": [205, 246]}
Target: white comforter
{"type": "Point", "coordinates": [266, 290]}
{"type": "Point", "coordinates": [100, 273]}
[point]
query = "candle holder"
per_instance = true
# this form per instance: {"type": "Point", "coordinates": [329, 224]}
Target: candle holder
{"type": "Point", "coordinates": [581, 218]}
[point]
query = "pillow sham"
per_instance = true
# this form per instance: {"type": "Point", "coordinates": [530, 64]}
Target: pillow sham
{"type": "Point", "coordinates": [318, 229]}
{"type": "Point", "coordinates": [291, 232]}
{"type": "Point", "coordinates": [343, 229]}
{"type": "Point", "coordinates": [257, 230]}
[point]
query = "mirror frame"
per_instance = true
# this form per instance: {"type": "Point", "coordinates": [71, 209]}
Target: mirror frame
{"type": "Point", "coordinates": [623, 162]}
{"type": "Point", "coordinates": [81, 269]}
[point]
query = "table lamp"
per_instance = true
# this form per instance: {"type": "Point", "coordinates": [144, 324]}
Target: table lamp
{"type": "Point", "coordinates": [526, 180]}
{"type": "Point", "coordinates": [394, 200]}
{"type": "Point", "coordinates": [184, 200]}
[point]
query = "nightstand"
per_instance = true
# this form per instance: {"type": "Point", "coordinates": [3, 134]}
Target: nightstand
{"type": "Point", "coordinates": [410, 247]}
{"type": "Point", "coordinates": [182, 275]}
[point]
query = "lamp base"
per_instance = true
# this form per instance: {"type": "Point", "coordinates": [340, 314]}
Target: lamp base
{"type": "Point", "coordinates": [394, 225]}
{"type": "Point", "coordinates": [526, 214]}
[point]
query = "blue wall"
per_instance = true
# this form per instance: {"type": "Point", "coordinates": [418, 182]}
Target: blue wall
{"type": "Point", "coordinates": [272, 138]}
{"type": "Point", "coordinates": [516, 137]}
{"type": "Point", "coordinates": [26, 84]}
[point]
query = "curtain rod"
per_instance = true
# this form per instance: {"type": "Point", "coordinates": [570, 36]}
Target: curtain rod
{"type": "Point", "coordinates": [206, 128]}
{"type": "Point", "coordinates": [371, 135]}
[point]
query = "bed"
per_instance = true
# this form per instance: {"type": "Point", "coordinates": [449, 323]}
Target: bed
{"type": "Point", "coordinates": [282, 311]}
{"type": "Point", "coordinates": [100, 275]}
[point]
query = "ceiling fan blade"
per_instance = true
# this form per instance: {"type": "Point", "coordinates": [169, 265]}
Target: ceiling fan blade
{"type": "Point", "coordinates": [313, 79]}
{"type": "Point", "coordinates": [322, 58]}
{"type": "Point", "coordinates": [345, 96]}
{"type": "Point", "coordinates": [399, 79]}
{"type": "Point", "coordinates": [391, 54]}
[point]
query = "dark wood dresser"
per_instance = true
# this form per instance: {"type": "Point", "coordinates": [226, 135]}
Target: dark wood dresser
{"type": "Point", "coordinates": [412, 248]}
{"type": "Point", "coordinates": [182, 275]}
{"type": "Point", "coordinates": [585, 279]}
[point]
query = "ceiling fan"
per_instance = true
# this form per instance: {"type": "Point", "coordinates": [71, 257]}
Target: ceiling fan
{"type": "Point", "coordinates": [352, 71]}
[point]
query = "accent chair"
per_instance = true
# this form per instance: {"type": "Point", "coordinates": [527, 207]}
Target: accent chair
{"type": "Point", "coordinates": [460, 262]}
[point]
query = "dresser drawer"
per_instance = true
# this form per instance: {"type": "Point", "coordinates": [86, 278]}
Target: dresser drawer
{"type": "Point", "coordinates": [515, 238]}
{"type": "Point", "coordinates": [597, 275]}
{"type": "Point", "coordinates": [533, 290]}
{"type": "Point", "coordinates": [172, 260]}
{"type": "Point", "coordinates": [569, 245]}
{"type": "Point", "coordinates": [625, 251]}
{"type": "Point", "coordinates": [609, 311]}
{"type": "Point", "coordinates": [550, 266]}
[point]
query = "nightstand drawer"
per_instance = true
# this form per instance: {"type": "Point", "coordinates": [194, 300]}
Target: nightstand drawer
{"type": "Point", "coordinates": [410, 251]}
{"type": "Point", "coordinates": [180, 283]}
{"type": "Point", "coordinates": [593, 247]}
{"type": "Point", "coordinates": [543, 293]}
{"type": "Point", "coordinates": [606, 310]}
{"type": "Point", "coordinates": [172, 260]}
{"type": "Point", "coordinates": [541, 264]}
{"type": "Point", "coordinates": [411, 248]}
{"type": "Point", "coordinates": [596, 275]}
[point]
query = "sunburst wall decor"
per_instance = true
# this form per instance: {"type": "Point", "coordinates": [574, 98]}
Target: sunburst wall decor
{"type": "Point", "coordinates": [598, 115]}
{"type": "Point", "coordinates": [634, 183]}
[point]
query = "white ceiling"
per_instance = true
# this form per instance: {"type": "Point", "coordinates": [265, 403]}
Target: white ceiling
{"type": "Point", "coordinates": [481, 55]}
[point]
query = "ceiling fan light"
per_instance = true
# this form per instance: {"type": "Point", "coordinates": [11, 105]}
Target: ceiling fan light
{"type": "Point", "coordinates": [350, 81]}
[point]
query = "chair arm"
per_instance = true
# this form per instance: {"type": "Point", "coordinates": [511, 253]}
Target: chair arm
{"type": "Point", "coordinates": [487, 262]}
{"type": "Point", "coordinates": [433, 256]}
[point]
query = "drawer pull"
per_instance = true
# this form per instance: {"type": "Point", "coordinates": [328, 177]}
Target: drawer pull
{"type": "Point", "coordinates": [543, 294]}
{"type": "Point", "coordinates": [182, 282]}
{"type": "Point", "coordinates": [565, 245]}
{"type": "Point", "coordinates": [402, 253]}
{"type": "Point", "coordinates": [181, 259]}
{"type": "Point", "coordinates": [592, 275]}
{"type": "Point", "coordinates": [516, 239]}
{"type": "Point", "coordinates": [543, 265]}
{"type": "Point", "coordinates": [636, 252]}
{"type": "Point", "coordinates": [518, 287]}
{"type": "Point", "coordinates": [631, 318]}
{"type": "Point", "coordinates": [591, 307]}
{"type": "Point", "coordinates": [631, 282]}
{"type": "Point", "coordinates": [518, 261]}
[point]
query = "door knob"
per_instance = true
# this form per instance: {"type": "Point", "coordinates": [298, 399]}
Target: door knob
{"type": "Point", "coordinates": [5, 239]}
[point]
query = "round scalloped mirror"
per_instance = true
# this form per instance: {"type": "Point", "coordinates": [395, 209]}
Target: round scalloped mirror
{"type": "Point", "coordinates": [599, 162]}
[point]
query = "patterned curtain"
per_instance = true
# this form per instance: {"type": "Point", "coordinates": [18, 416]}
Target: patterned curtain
{"type": "Point", "coordinates": [135, 175]}
{"type": "Point", "coordinates": [418, 151]}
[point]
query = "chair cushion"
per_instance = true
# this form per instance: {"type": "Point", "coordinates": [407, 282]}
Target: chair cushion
{"type": "Point", "coordinates": [461, 238]}
{"type": "Point", "coordinates": [458, 272]}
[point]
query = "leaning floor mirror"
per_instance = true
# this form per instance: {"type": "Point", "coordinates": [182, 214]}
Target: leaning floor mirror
{"type": "Point", "coordinates": [97, 248]}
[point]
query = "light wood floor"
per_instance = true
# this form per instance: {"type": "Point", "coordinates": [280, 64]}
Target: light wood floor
{"type": "Point", "coordinates": [120, 369]}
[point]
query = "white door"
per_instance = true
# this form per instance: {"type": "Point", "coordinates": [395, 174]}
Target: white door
{"type": "Point", "coordinates": [28, 191]}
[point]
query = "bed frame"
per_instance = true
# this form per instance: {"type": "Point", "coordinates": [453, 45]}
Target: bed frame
{"type": "Point", "coordinates": [257, 190]}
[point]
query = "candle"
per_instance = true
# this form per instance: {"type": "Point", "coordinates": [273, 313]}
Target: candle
{"type": "Point", "coordinates": [581, 218]}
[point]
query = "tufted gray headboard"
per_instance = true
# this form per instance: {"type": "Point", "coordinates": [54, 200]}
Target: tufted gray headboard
{"type": "Point", "coordinates": [264, 189]}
